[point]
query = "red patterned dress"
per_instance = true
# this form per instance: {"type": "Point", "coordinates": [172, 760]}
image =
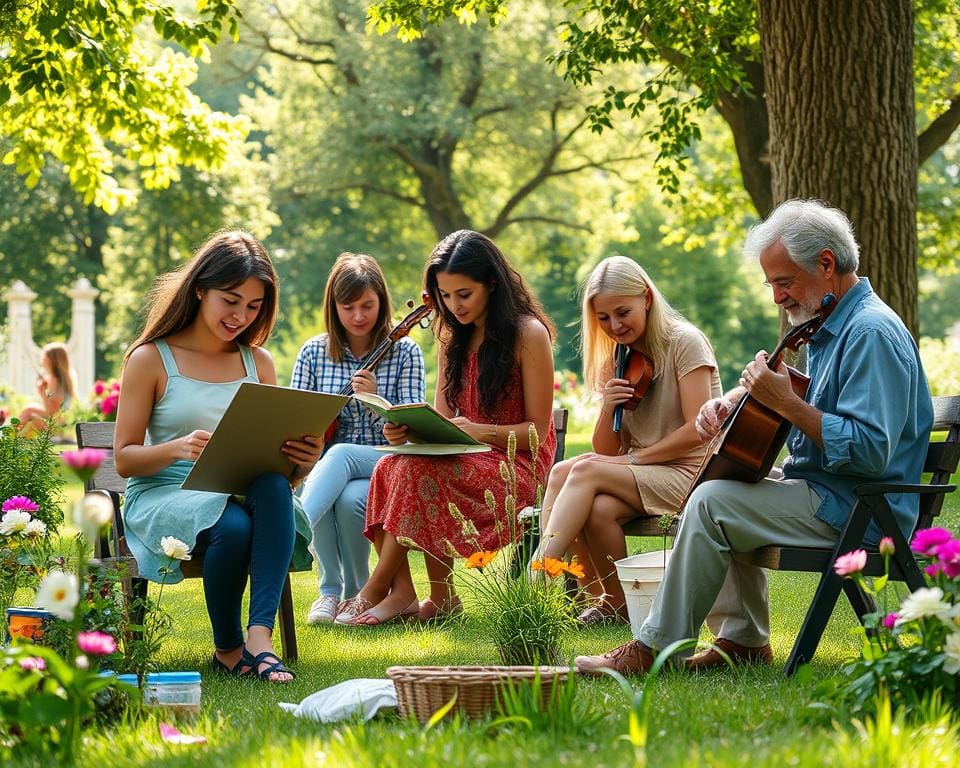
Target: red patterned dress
{"type": "Point", "coordinates": [409, 495]}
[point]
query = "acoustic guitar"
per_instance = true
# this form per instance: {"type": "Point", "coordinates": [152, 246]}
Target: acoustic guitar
{"type": "Point", "coordinates": [403, 328]}
{"type": "Point", "coordinates": [752, 435]}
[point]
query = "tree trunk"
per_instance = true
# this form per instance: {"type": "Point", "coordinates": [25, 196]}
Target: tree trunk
{"type": "Point", "coordinates": [839, 87]}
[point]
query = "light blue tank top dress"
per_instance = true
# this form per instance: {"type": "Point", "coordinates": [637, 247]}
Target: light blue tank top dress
{"type": "Point", "coordinates": [155, 505]}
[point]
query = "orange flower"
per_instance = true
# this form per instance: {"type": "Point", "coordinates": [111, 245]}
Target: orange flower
{"type": "Point", "coordinates": [551, 565]}
{"type": "Point", "coordinates": [480, 559]}
{"type": "Point", "coordinates": [574, 569]}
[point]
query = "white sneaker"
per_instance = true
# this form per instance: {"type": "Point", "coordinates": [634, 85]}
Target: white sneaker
{"type": "Point", "coordinates": [323, 610]}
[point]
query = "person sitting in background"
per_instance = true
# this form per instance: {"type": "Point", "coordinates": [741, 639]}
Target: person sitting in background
{"type": "Point", "coordinates": [55, 387]}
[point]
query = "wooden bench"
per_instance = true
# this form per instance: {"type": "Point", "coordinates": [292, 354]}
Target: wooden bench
{"type": "Point", "coordinates": [871, 505]}
{"type": "Point", "coordinates": [112, 550]}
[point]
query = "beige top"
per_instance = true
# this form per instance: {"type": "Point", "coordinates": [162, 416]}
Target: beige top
{"type": "Point", "coordinates": [663, 487]}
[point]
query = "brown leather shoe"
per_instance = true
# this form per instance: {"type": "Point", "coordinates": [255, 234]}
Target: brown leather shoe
{"type": "Point", "coordinates": [633, 658]}
{"type": "Point", "coordinates": [739, 654]}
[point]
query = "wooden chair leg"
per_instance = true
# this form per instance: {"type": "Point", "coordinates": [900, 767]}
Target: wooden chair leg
{"type": "Point", "coordinates": [288, 632]}
{"type": "Point", "coordinates": [828, 590]}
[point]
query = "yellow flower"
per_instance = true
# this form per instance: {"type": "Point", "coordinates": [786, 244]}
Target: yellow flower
{"type": "Point", "coordinates": [480, 559]}
{"type": "Point", "coordinates": [550, 565]}
{"type": "Point", "coordinates": [574, 569]}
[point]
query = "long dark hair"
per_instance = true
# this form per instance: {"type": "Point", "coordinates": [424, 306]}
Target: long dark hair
{"type": "Point", "coordinates": [477, 257]}
{"type": "Point", "coordinates": [351, 275]}
{"type": "Point", "coordinates": [227, 259]}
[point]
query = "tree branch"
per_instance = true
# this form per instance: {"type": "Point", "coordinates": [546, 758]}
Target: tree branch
{"type": "Point", "coordinates": [939, 131]}
{"type": "Point", "coordinates": [497, 229]}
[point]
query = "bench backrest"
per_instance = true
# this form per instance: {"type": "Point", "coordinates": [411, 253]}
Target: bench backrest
{"type": "Point", "coordinates": [942, 456]}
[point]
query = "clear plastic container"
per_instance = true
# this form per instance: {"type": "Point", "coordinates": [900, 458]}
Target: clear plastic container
{"type": "Point", "coordinates": [178, 693]}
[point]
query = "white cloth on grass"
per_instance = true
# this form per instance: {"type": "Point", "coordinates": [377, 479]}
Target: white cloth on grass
{"type": "Point", "coordinates": [365, 696]}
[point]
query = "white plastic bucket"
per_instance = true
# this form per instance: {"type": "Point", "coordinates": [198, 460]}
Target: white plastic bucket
{"type": "Point", "coordinates": [640, 577]}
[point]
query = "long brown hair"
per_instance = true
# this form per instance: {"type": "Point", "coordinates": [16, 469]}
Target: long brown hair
{"type": "Point", "coordinates": [58, 362]}
{"type": "Point", "coordinates": [477, 257]}
{"type": "Point", "coordinates": [352, 274]}
{"type": "Point", "coordinates": [227, 259]}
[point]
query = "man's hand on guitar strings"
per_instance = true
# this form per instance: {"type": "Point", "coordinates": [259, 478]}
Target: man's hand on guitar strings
{"type": "Point", "coordinates": [769, 388]}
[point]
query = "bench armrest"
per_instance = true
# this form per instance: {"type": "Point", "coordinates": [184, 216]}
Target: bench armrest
{"type": "Point", "coordinates": [922, 489]}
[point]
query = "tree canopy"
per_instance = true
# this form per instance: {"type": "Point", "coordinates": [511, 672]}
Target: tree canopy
{"type": "Point", "coordinates": [81, 82]}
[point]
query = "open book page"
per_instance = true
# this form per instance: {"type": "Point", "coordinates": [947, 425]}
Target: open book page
{"type": "Point", "coordinates": [434, 449]}
{"type": "Point", "coordinates": [246, 442]}
{"type": "Point", "coordinates": [424, 423]}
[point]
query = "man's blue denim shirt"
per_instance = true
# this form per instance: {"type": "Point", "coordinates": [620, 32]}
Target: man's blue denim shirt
{"type": "Point", "coordinates": [867, 379]}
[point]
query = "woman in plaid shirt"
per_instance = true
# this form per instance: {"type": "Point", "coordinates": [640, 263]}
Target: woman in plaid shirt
{"type": "Point", "coordinates": [357, 314]}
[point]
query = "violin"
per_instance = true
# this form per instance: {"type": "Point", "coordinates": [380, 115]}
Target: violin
{"type": "Point", "coordinates": [636, 368]}
{"type": "Point", "coordinates": [417, 317]}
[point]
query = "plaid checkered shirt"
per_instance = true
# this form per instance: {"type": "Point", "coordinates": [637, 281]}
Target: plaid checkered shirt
{"type": "Point", "coordinates": [400, 379]}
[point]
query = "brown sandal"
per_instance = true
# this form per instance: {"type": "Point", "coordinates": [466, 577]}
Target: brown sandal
{"type": "Point", "coordinates": [430, 611]}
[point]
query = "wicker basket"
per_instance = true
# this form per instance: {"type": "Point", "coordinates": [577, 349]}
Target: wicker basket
{"type": "Point", "coordinates": [421, 691]}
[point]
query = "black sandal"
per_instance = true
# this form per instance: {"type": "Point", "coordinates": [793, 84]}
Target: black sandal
{"type": "Point", "coordinates": [253, 665]}
{"type": "Point", "coordinates": [223, 669]}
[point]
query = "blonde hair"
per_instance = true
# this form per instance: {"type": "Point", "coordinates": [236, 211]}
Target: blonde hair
{"type": "Point", "coordinates": [620, 276]}
{"type": "Point", "coordinates": [59, 363]}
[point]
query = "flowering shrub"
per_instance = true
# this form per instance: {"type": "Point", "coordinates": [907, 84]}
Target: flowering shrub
{"type": "Point", "coordinates": [30, 468]}
{"type": "Point", "coordinates": [106, 395]}
{"type": "Point", "coordinates": [526, 617]}
{"type": "Point", "coordinates": [913, 653]}
{"type": "Point", "coordinates": [24, 548]}
{"type": "Point", "coordinates": [580, 404]}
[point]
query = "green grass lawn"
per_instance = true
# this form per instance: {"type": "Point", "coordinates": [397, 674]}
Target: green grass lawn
{"type": "Point", "coordinates": [728, 718]}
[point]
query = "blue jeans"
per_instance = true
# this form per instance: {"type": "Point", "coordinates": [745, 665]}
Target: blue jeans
{"type": "Point", "coordinates": [335, 502]}
{"type": "Point", "coordinates": [256, 538]}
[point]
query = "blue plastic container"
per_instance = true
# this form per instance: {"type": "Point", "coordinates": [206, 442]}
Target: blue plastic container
{"type": "Point", "coordinates": [26, 623]}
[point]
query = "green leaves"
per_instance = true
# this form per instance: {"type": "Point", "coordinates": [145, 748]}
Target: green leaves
{"type": "Point", "coordinates": [83, 85]}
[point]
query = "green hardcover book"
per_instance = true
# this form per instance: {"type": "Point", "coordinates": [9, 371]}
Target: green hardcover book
{"type": "Point", "coordinates": [429, 431]}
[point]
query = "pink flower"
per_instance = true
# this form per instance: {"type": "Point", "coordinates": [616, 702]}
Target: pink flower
{"type": "Point", "coordinates": [850, 563]}
{"type": "Point", "coordinates": [948, 555]}
{"type": "Point", "coordinates": [20, 502]}
{"type": "Point", "coordinates": [115, 388]}
{"type": "Point", "coordinates": [85, 461]}
{"type": "Point", "coordinates": [108, 405]}
{"type": "Point", "coordinates": [886, 546]}
{"type": "Point", "coordinates": [933, 569]}
{"type": "Point", "coordinates": [926, 541]}
{"type": "Point", "coordinates": [33, 664]}
{"type": "Point", "coordinates": [890, 620]}
{"type": "Point", "coordinates": [99, 387]}
{"type": "Point", "coordinates": [96, 643]}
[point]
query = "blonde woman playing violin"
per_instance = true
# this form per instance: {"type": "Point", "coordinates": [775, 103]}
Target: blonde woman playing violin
{"type": "Point", "coordinates": [646, 467]}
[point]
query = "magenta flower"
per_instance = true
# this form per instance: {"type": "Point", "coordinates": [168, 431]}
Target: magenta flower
{"type": "Point", "coordinates": [850, 563]}
{"type": "Point", "coordinates": [948, 555]}
{"type": "Point", "coordinates": [108, 405]}
{"type": "Point", "coordinates": [99, 387]}
{"type": "Point", "coordinates": [96, 643]}
{"type": "Point", "coordinates": [890, 620]}
{"type": "Point", "coordinates": [33, 664]}
{"type": "Point", "coordinates": [22, 503]}
{"type": "Point", "coordinates": [927, 540]}
{"type": "Point", "coordinates": [886, 546]}
{"type": "Point", "coordinates": [85, 461]}
{"type": "Point", "coordinates": [933, 569]}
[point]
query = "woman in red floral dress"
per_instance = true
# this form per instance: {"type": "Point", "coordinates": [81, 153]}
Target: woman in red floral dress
{"type": "Point", "coordinates": [495, 376]}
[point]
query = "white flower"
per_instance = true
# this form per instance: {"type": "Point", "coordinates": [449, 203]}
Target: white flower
{"type": "Point", "coordinates": [91, 513]}
{"type": "Point", "coordinates": [926, 601]}
{"type": "Point", "coordinates": [14, 521]}
{"type": "Point", "coordinates": [59, 593]}
{"type": "Point", "coordinates": [527, 513]}
{"type": "Point", "coordinates": [174, 548]}
{"type": "Point", "coordinates": [951, 649]}
{"type": "Point", "coordinates": [36, 528]}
